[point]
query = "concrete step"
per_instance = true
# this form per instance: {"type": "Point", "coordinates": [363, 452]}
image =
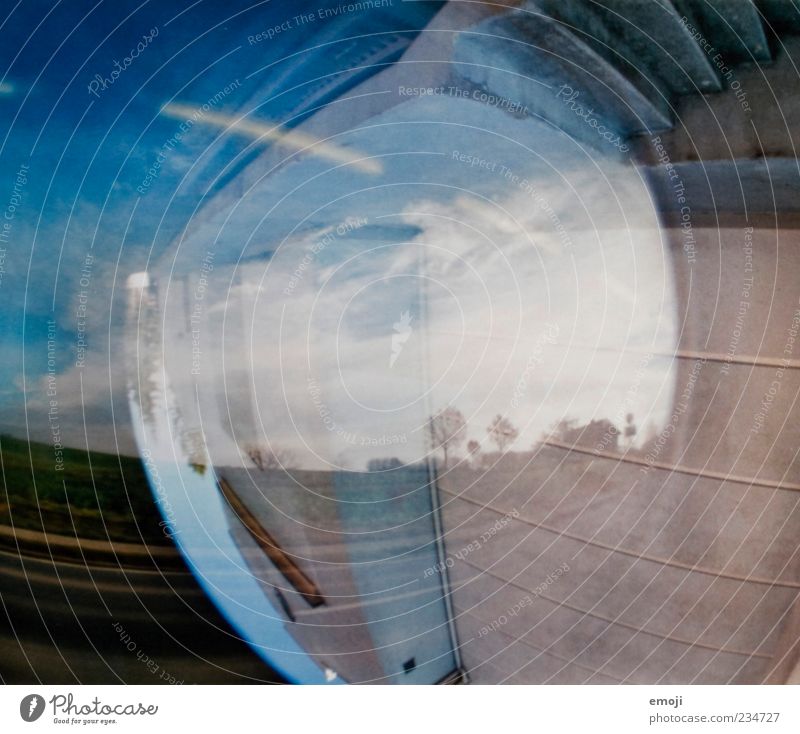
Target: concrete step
{"type": "Point", "coordinates": [590, 28]}
{"type": "Point", "coordinates": [731, 28]}
{"type": "Point", "coordinates": [781, 16]}
{"type": "Point", "coordinates": [765, 187]}
{"type": "Point", "coordinates": [535, 62]}
{"type": "Point", "coordinates": [735, 150]}
{"type": "Point", "coordinates": [659, 42]}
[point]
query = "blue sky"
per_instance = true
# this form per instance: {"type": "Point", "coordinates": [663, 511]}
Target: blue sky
{"type": "Point", "coordinates": [87, 154]}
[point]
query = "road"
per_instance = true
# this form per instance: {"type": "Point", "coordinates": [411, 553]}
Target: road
{"type": "Point", "coordinates": [63, 622]}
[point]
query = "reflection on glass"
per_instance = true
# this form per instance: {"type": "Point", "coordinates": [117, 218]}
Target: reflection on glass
{"type": "Point", "coordinates": [343, 364]}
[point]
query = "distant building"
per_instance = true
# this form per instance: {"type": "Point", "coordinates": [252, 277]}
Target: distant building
{"type": "Point", "coordinates": [384, 464]}
{"type": "Point", "coordinates": [601, 434]}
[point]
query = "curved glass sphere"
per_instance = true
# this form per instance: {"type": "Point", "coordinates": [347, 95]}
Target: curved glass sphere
{"type": "Point", "coordinates": [413, 388]}
{"type": "Point", "coordinates": [347, 362]}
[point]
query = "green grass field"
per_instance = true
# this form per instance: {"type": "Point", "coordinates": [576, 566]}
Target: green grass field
{"type": "Point", "coordinates": [96, 496]}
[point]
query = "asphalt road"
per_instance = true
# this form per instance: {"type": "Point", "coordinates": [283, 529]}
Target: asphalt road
{"type": "Point", "coordinates": [62, 622]}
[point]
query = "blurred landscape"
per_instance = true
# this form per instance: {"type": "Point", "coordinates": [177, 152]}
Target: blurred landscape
{"type": "Point", "coordinates": [97, 496]}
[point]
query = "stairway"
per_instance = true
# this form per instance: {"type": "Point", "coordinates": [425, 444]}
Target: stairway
{"type": "Point", "coordinates": [621, 65]}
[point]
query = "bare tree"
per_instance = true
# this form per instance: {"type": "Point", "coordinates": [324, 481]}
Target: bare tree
{"type": "Point", "coordinates": [473, 449]}
{"type": "Point", "coordinates": [269, 457]}
{"type": "Point", "coordinates": [630, 430]}
{"type": "Point", "coordinates": [502, 432]}
{"type": "Point", "coordinates": [447, 430]}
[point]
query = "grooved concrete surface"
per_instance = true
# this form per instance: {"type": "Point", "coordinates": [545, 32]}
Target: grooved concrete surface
{"type": "Point", "coordinates": [673, 577]}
